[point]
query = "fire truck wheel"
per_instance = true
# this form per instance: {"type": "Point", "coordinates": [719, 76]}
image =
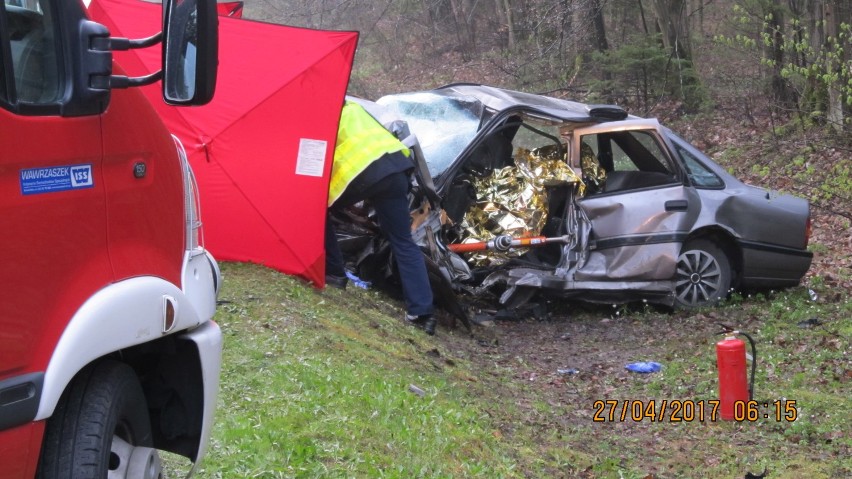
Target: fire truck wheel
{"type": "Point", "coordinates": [703, 275]}
{"type": "Point", "coordinates": [100, 428]}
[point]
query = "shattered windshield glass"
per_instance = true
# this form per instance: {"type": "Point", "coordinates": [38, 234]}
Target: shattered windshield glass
{"type": "Point", "coordinates": [444, 125]}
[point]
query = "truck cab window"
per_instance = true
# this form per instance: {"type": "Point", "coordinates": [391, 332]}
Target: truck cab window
{"type": "Point", "coordinates": [34, 59]}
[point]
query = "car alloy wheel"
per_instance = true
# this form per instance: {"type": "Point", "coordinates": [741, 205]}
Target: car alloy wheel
{"type": "Point", "coordinates": [703, 275]}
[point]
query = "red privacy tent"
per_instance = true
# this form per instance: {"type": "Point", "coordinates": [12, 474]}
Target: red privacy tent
{"type": "Point", "coordinates": [262, 149]}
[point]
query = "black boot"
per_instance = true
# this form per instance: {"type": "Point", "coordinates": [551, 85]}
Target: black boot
{"type": "Point", "coordinates": [338, 282]}
{"type": "Point", "coordinates": [425, 321]}
{"type": "Point", "coordinates": [429, 325]}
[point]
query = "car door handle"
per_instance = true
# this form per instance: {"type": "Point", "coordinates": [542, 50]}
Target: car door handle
{"type": "Point", "coordinates": [677, 205]}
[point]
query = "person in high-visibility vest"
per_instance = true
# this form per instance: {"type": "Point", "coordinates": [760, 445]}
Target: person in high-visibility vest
{"type": "Point", "coordinates": [370, 163]}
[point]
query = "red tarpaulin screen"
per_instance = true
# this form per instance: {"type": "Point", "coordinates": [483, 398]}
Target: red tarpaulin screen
{"type": "Point", "coordinates": [262, 149]}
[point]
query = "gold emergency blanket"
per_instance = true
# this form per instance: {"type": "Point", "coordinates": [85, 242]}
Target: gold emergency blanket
{"type": "Point", "coordinates": [513, 200]}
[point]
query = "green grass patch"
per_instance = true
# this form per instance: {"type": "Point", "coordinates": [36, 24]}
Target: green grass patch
{"type": "Point", "coordinates": [319, 384]}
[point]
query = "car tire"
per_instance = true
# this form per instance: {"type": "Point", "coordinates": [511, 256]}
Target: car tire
{"type": "Point", "coordinates": [100, 428]}
{"type": "Point", "coordinates": [703, 275]}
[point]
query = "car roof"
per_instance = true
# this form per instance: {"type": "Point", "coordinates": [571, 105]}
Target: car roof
{"type": "Point", "coordinates": [500, 99]}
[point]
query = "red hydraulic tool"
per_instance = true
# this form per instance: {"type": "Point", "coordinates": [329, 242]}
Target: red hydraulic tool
{"type": "Point", "coordinates": [506, 242]}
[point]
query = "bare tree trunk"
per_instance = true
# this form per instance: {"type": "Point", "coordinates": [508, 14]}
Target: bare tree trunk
{"type": "Point", "coordinates": [510, 22]}
{"type": "Point", "coordinates": [797, 11]}
{"type": "Point", "coordinates": [642, 15]}
{"type": "Point", "coordinates": [431, 18]}
{"type": "Point", "coordinates": [589, 14]}
{"type": "Point", "coordinates": [674, 25]}
{"type": "Point", "coordinates": [835, 97]}
{"type": "Point", "coordinates": [774, 30]}
{"type": "Point", "coordinates": [465, 25]}
{"type": "Point", "coordinates": [815, 25]}
{"type": "Point", "coordinates": [577, 26]}
{"type": "Point", "coordinates": [600, 26]}
{"type": "Point", "coordinates": [671, 18]}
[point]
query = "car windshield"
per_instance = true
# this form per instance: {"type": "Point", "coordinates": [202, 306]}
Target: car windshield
{"type": "Point", "coordinates": [444, 125]}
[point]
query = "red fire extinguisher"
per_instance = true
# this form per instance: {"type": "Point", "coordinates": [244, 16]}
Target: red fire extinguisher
{"type": "Point", "coordinates": [731, 362]}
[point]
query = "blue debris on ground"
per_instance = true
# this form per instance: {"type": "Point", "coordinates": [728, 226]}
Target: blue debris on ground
{"type": "Point", "coordinates": [644, 367]}
{"type": "Point", "coordinates": [358, 281]}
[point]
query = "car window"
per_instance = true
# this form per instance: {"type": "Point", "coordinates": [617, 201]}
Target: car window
{"type": "Point", "coordinates": [698, 174]}
{"type": "Point", "coordinates": [624, 160]}
{"type": "Point", "coordinates": [444, 125]}
{"type": "Point", "coordinates": [532, 138]}
{"type": "Point", "coordinates": [628, 151]}
{"type": "Point", "coordinates": [621, 160]}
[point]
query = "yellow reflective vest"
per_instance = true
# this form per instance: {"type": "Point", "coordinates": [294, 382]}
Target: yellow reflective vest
{"type": "Point", "coordinates": [361, 140]}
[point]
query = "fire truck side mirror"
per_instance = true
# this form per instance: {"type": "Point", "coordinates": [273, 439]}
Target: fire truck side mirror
{"type": "Point", "coordinates": [190, 51]}
{"type": "Point", "coordinates": [91, 92]}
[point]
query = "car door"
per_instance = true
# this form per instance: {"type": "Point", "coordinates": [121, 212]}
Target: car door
{"type": "Point", "coordinates": [52, 211]}
{"type": "Point", "coordinates": [640, 212]}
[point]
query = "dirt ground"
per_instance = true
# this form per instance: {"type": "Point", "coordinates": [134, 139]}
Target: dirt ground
{"type": "Point", "coordinates": [557, 348]}
{"type": "Point", "coordinates": [562, 356]}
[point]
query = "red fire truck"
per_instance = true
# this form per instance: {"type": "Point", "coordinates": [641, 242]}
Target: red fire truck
{"type": "Point", "coordinates": [107, 348]}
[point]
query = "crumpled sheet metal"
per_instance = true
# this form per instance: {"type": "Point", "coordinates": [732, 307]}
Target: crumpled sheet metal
{"type": "Point", "coordinates": [513, 200]}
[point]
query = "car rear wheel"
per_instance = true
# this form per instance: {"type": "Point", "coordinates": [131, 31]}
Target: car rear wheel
{"type": "Point", "coordinates": [100, 428]}
{"type": "Point", "coordinates": [703, 275]}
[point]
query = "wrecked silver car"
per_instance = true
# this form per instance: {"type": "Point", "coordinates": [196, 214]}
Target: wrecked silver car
{"type": "Point", "coordinates": [519, 193]}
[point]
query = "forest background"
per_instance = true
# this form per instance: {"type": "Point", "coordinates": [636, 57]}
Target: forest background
{"type": "Point", "coordinates": [763, 86]}
{"type": "Point", "coordinates": [784, 57]}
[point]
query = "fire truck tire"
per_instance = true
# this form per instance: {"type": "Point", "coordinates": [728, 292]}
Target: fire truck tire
{"type": "Point", "coordinates": [703, 275]}
{"type": "Point", "coordinates": [100, 428]}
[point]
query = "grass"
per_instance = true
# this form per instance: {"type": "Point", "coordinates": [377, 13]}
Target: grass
{"type": "Point", "coordinates": [332, 384]}
{"type": "Point", "coordinates": [319, 384]}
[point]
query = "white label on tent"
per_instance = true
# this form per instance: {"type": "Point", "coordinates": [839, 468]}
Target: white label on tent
{"type": "Point", "coordinates": [311, 160]}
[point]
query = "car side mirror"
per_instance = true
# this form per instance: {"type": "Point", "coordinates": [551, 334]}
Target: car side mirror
{"type": "Point", "coordinates": [190, 51]}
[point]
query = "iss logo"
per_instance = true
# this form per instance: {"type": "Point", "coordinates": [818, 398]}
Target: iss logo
{"type": "Point", "coordinates": [54, 179]}
{"type": "Point", "coordinates": [81, 176]}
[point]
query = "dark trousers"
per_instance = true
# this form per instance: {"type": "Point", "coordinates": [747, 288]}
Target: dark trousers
{"type": "Point", "coordinates": [390, 199]}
